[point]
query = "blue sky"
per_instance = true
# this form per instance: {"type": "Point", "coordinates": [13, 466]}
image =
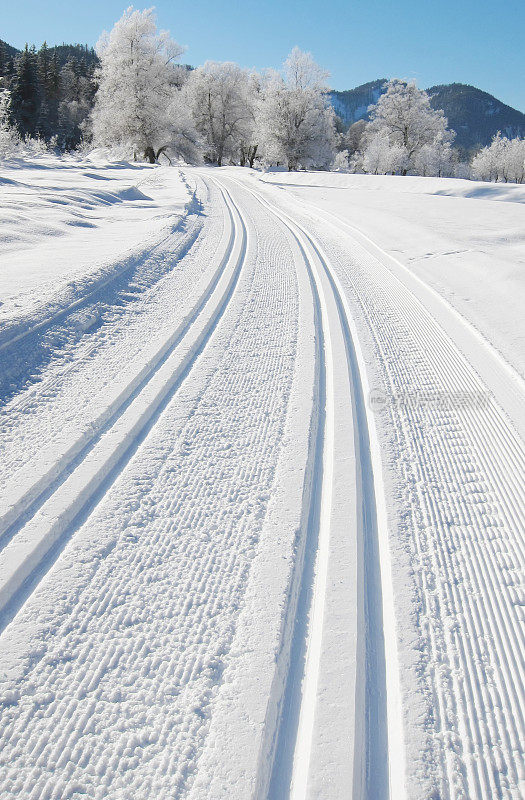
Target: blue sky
{"type": "Point", "coordinates": [433, 41]}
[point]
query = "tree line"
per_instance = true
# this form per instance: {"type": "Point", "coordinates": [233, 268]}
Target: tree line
{"type": "Point", "coordinates": [50, 91]}
{"type": "Point", "coordinates": [133, 96]}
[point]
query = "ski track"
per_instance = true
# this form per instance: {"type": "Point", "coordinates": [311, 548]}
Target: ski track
{"type": "Point", "coordinates": [107, 451]}
{"type": "Point", "coordinates": [124, 641]}
{"type": "Point", "coordinates": [81, 356]}
{"type": "Point", "coordinates": [337, 674]}
{"type": "Point", "coordinates": [118, 648]}
{"type": "Point", "coordinates": [458, 467]}
{"type": "Point", "coordinates": [111, 330]}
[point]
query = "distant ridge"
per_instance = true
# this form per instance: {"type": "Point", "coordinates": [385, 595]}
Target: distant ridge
{"type": "Point", "coordinates": [64, 52]}
{"type": "Point", "coordinates": [352, 104]}
{"type": "Point", "coordinates": [10, 51]}
{"type": "Point", "coordinates": [476, 116]}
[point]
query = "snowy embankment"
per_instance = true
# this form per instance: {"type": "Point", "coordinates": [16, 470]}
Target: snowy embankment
{"type": "Point", "coordinates": [466, 239]}
{"type": "Point", "coordinates": [69, 225]}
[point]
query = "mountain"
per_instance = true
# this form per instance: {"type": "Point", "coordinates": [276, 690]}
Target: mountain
{"type": "Point", "coordinates": [11, 52]}
{"type": "Point", "coordinates": [352, 104]}
{"type": "Point", "coordinates": [8, 56]}
{"type": "Point", "coordinates": [476, 116]}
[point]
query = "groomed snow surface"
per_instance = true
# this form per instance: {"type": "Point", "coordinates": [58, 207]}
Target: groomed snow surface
{"type": "Point", "coordinates": [262, 504]}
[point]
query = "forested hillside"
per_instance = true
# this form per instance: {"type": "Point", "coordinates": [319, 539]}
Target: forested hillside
{"type": "Point", "coordinates": [51, 89]}
{"type": "Point", "coordinates": [474, 115]}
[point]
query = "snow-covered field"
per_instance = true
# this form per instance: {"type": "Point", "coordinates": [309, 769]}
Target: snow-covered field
{"type": "Point", "coordinates": [472, 253]}
{"type": "Point", "coordinates": [262, 485]}
{"type": "Point", "coordinates": [69, 220]}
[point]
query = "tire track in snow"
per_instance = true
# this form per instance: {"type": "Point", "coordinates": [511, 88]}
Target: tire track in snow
{"type": "Point", "coordinates": [343, 507]}
{"type": "Point", "coordinates": [90, 468]}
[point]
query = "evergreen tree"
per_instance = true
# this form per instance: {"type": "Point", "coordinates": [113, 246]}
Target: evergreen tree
{"type": "Point", "coordinates": [10, 67]}
{"type": "Point", "coordinates": [44, 65]}
{"type": "Point", "coordinates": [53, 82]}
{"type": "Point", "coordinates": [46, 121]}
{"type": "Point", "coordinates": [3, 60]}
{"type": "Point", "coordinates": [25, 94]}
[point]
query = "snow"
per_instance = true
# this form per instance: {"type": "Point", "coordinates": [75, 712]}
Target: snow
{"type": "Point", "coordinates": [261, 485]}
{"type": "Point", "coordinates": [455, 530]}
{"type": "Point", "coordinates": [466, 239]}
{"type": "Point", "coordinates": [66, 220]}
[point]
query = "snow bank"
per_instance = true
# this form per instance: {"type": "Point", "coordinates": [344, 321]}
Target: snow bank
{"type": "Point", "coordinates": [66, 220]}
{"type": "Point", "coordinates": [410, 184]}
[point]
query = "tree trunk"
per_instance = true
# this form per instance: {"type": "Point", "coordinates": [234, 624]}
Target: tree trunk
{"type": "Point", "coordinates": [149, 155]}
{"type": "Point", "coordinates": [162, 150]}
{"type": "Point", "coordinates": [253, 153]}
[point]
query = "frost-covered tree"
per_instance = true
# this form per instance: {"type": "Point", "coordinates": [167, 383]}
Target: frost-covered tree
{"type": "Point", "coordinates": [138, 79]}
{"type": "Point", "coordinates": [381, 156]}
{"type": "Point", "coordinates": [404, 115]}
{"type": "Point", "coordinates": [295, 121]}
{"type": "Point", "coordinates": [485, 164]}
{"type": "Point", "coordinates": [353, 138]}
{"type": "Point", "coordinates": [184, 140]}
{"type": "Point", "coordinates": [9, 139]}
{"type": "Point", "coordinates": [341, 162]}
{"type": "Point", "coordinates": [502, 160]}
{"type": "Point", "coordinates": [249, 144]}
{"type": "Point", "coordinates": [515, 160]}
{"type": "Point", "coordinates": [220, 99]}
{"type": "Point", "coordinates": [437, 159]}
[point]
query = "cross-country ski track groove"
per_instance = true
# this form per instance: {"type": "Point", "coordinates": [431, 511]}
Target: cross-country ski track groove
{"type": "Point", "coordinates": [121, 648]}
{"type": "Point", "coordinates": [345, 541]}
{"type": "Point", "coordinates": [500, 377]}
{"type": "Point", "coordinates": [467, 475]}
{"type": "Point", "coordinates": [43, 517]}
